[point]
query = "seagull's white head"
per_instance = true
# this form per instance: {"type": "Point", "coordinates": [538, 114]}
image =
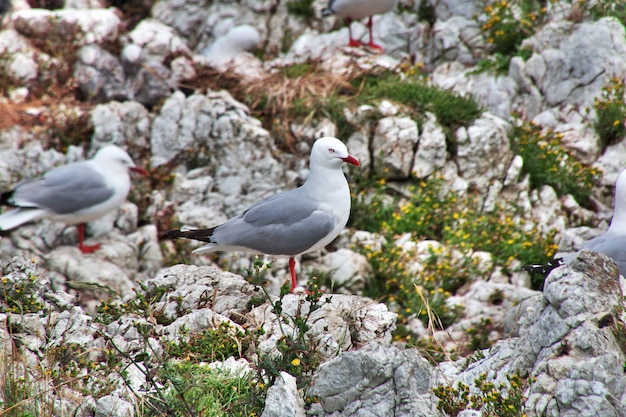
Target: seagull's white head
{"type": "Point", "coordinates": [331, 152]}
{"type": "Point", "coordinates": [116, 159]}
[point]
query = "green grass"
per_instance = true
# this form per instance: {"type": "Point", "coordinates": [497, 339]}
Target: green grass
{"type": "Point", "coordinates": [452, 110]}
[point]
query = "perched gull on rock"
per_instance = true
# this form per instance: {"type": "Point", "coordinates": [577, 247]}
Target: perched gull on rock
{"type": "Point", "coordinates": [72, 194]}
{"type": "Point", "coordinates": [357, 10]}
{"type": "Point", "coordinates": [291, 223]}
{"type": "Point", "coordinates": [611, 243]}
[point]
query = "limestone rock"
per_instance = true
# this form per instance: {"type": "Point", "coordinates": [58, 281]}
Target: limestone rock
{"type": "Point", "coordinates": [382, 379]}
{"type": "Point", "coordinates": [81, 27]}
{"type": "Point", "coordinates": [283, 398]}
{"type": "Point", "coordinates": [393, 147]}
{"type": "Point", "coordinates": [343, 322]}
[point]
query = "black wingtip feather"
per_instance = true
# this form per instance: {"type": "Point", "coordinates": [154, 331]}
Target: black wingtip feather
{"type": "Point", "coordinates": [6, 198]}
{"type": "Point", "coordinates": [203, 235]}
{"type": "Point", "coordinates": [544, 269]}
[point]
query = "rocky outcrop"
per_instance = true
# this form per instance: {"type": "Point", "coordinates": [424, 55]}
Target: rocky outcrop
{"type": "Point", "coordinates": [146, 86]}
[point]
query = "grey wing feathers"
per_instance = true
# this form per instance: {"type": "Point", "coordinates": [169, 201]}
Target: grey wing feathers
{"type": "Point", "coordinates": [63, 190]}
{"type": "Point", "coordinates": [612, 246]}
{"type": "Point", "coordinates": [283, 224]}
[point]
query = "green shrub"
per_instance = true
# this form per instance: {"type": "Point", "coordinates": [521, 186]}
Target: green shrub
{"type": "Point", "coordinates": [431, 212]}
{"type": "Point", "coordinates": [610, 110]}
{"type": "Point", "coordinates": [452, 110]}
{"type": "Point", "coordinates": [505, 24]}
{"type": "Point", "coordinates": [605, 8]}
{"type": "Point", "coordinates": [503, 400]}
{"type": "Point", "coordinates": [548, 163]}
{"type": "Point", "coordinates": [194, 389]}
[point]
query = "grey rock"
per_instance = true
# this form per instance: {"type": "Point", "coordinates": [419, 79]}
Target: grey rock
{"type": "Point", "coordinates": [431, 149]}
{"type": "Point", "coordinates": [72, 327]}
{"type": "Point", "coordinates": [571, 63]}
{"type": "Point", "coordinates": [445, 9]}
{"type": "Point", "coordinates": [197, 321]}
{"type": "Point", "coordinates": [202, 21]}
{"type": "Point", "coordinates": [126, 124]}
{"type": "Point", "coordinates": [349, 270]}
{"type": "Point", "coordinates": [283, 398]}
{"type": "Point", "coordinates": [470, 413]}
{"type": "Point", "coordinates": [91, 274]}
{"type": "Point", "coordinates": [155, 40]}
{"type": "Point", "coordinates": [86, 408]}
{"type": "Point", "coordinates": [377, 380]}
{"type": "Point", "coordinates": [358, 143]}
{"type": "Point", "coordinates": [81, 27]}
{"type": "Point", "coordinates": [483, 151]}
{"type": "Point", "coordinates": [197, 287]}
{"type": "Point", "coordinates": [456, 39]}
{"type": "Point", "coordinates": [343, 322]}
{"type": "Point", "coordinates": [113, 406]}
{"type": "Point", "coordinates": [100, 75]}
{"type": "Point", "coordinates": [21, 64]}
{"type": "Point", "coordinates": [215, 132]}
{"type": "Point", "coordinates": [569, 342]}
{"type": "Point", "coordinates": [393, 147]}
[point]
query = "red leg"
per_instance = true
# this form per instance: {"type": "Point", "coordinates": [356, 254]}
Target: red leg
{"type": "Point", "coordinates": [372, 44]}
{"type": "Point", "coordinates": [353, 42]}
{"type": "Point", "coordinates": [81, 238]}
{"type": "Point", "coordinates": [292, 269]}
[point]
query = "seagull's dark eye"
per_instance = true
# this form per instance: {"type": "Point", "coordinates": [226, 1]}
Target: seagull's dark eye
{"type": "Point", "coordinates": [331, 150]}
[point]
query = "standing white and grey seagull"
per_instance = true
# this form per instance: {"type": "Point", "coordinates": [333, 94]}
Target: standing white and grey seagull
{"type": "Point", "coordinates": [289, 224]}
{"type": "Point", "coordinates": [358, 10]}
{"type": "Point", "coordinates": [612, 243]}
{"type": "Point", "coordinates": [72, 194]}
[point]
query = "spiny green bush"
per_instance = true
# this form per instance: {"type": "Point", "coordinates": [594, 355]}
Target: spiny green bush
{"type": "Point", "coordinates": [548, 163]}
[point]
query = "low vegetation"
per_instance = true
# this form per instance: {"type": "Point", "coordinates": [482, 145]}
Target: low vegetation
{"type": "Point", "coordinates": [404, 276]}
{"type": "Point", "coordinates": [504, 25]}
{"type": "Point", "coordinates": [501, 400]}
{"type": "Point", "coordinates": [548, 163]}
{"type": "Point", "coordinates": [610, 108]}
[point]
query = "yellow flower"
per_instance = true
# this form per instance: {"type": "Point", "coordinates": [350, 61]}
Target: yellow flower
{"type": "Point", "coordinates": [295, 362]}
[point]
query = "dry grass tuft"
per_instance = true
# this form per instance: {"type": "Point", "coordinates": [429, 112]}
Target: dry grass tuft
{"type": "Point", "coordinates": [282, 93]}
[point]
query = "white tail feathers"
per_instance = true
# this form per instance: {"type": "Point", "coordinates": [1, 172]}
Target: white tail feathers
{"type": "Point", "coordinates": [19, 216]}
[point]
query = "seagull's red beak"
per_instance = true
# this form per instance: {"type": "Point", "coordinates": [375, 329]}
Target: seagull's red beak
{"type": "Point", "coordinates": [139, 170]}
{"type": "Point", "coordinates": [351, 160]}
